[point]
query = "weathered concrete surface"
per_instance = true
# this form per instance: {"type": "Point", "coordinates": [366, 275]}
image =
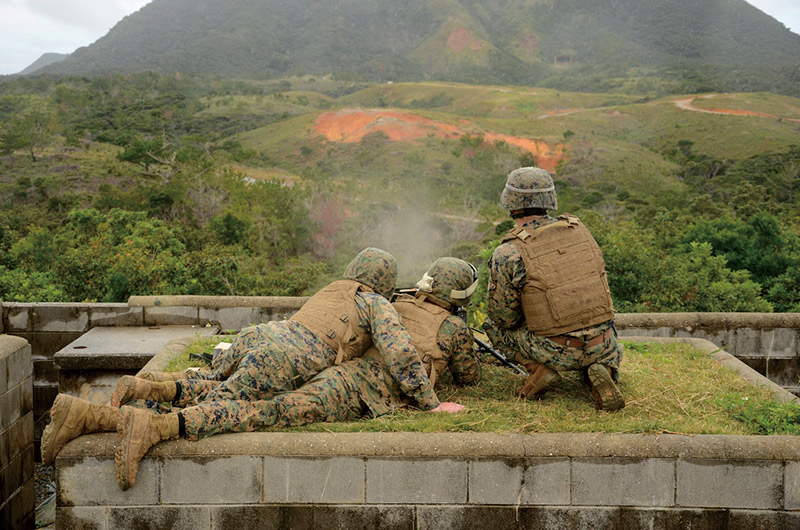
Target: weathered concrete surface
{"type": "Point", "coordinates": [123, 348]}
{"type": "Point", "coordinates": [90, 366]}
{"type": "Point", "coordinates": [319, 480]}
{"type": "Point", "coordinates": [17, 495]}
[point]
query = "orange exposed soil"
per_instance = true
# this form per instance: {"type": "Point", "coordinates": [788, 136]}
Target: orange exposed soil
{"type": "Point", "coordinates": [351, 125]}
{"type": "Point", "coordinates": [460, 38]}
{"type": "Point", "coordinates": [688, 104]}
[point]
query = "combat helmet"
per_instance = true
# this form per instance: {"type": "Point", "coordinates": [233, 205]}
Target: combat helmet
{"type": "Point", "coordinates": [529, 187]}
{"type": "Point", "coordinates": [450, 280]}
{"type": "Point", "coordinates": [375, 268]}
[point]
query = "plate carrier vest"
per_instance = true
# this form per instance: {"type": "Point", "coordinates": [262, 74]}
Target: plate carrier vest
{"type": "Point", "coordinates": [423, 319]}
{"type": "Point", "coordinates": [566, 287]}
{"type": "Point", "coordinates": [331, 315]}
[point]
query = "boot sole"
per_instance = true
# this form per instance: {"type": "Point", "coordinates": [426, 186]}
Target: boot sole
{"type": "Point", "coordinates": [62, 403]}
{"type": "Point", "coordinates": [123, 449]}
{"type": "Point", "coordinates": [125, 387]}
{"type": "Point", "coordinates": [606, 394]}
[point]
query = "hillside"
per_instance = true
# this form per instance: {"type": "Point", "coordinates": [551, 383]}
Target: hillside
{"type": "Point", "coordinates": [133, 184]}
{"type": "Point", "coordinates": [604, 45]}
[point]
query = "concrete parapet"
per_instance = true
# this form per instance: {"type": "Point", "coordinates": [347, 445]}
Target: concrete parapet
{"type": "Point", "coordinates": [466, 480]}
{"type": "Point", "coordinates": [17, 494]}
{"type": "Point", "coordinates": [767, 342]}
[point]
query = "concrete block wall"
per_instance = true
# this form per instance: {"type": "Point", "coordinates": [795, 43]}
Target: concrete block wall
{"type": "Point", "coordinates": [17, 489]}
{"type": "Point", "coordinates": [49, 327]}
{"type": "Point", "coordinates": [767, 342]}
{"type": "Point", "coordinates": [436, 481]}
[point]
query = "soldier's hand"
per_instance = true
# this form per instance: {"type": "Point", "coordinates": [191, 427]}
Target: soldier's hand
{"type": "Point", "coordinates": [449, 406]}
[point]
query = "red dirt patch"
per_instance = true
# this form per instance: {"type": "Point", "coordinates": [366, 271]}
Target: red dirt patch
{"type": "Point", "coordinates": [351, 125]}
{"type": "Point", "coordinates": [460, 38]}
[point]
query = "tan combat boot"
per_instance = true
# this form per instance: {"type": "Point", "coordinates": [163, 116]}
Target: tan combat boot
{"type": "Point", "coordinates": [69, 418]}
{"type": "Point", "coordinates": [158, 377]}
{"type": "Point", "coordinates": [540, 380]}
{"type": "Point", "coordinates": [130, 388]}
{"type": "Point", "coordinates": [606, 394]}
{"type": "Point", "coordinates": [137, 432]}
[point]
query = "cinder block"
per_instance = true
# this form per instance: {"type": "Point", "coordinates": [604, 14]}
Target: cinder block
{"type": "Point", "coordinates": [194, 517]}
{"type": "Point", "coordinates": [53, 317]}
{"type": "Point", "coordinates": [314, 480]}
{"type": "Point", "coordinates": [416, 481]}
{"type": "Point", "coordinates": [569, 518]}
{"type": "Point", "coordinates": [20, 366]}
{"type": "Point", "coordinates": [9, 407]}
{"type": "Point", "coordinates": [82, 518]}
{"type": "Point", "coordinates": [763, 520]}
{"type": "Point", "coordinates": [781, 342]}
{"type": "Point", "coordinates": [791, 484]}
{"type": "Point", "coordinates": [785, 372]}
{"type": "Point", "coordinates": [235, 480]}
{"type": "Point", "coordinates": [260, 517]}
{"type": "Point", "coordinates": [347, 517]}
{"type": "Point", "coordinates": [115, 315]}
{"type": "Point", "coordinates": [231, 317]}
{"type": "Point", "coordinates": [623, 482]}
{"type": "Point", "coordinates": [26, 396]}
{"type": "Point", "coordinates": [17, 317]}
{"type": "Point", "coordinates": [673, 519]}
{"type": "Point", "coordinates": [468, 518]}
{"type": "Point", "coordinates": [92, 482]}
{"type": "Point", "coordinates": [747, 342]}
{"type": "Point", "coordinates": [726, 484]}
{"type": "Point", "coordinates": [534, 481]}
{"type": "Point", "coordinates": [5, 449]}
{"type": "Point", "coordinates": [3, 373]}
{"type": "Point", "coordinates": [170, 316]}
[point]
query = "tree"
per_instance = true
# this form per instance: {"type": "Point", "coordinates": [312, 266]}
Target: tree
{"type": "Point", "coordinates": [30, 132]}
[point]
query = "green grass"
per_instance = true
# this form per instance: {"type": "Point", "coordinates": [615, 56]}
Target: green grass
{"type": "Point", "coordinates": [668, 389]}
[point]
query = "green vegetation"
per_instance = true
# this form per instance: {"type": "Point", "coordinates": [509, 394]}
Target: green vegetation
{"type": "Point", "coordinates": [148, 184]}
{"type": "Point", "coordinates": [668, 389]}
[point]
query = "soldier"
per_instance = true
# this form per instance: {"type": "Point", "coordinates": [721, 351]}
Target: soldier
{"type": "Point", "coordinates": [373, 385]}
{"type": "Point", "coordinates": [338, 323]}
{"type": "Point", "coordinates": [364, 386]}
{"type": "Point", "coordinates": [548, 302]}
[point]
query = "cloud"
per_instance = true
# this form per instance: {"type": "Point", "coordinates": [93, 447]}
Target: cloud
{"type": "Point", "coordinates": [29, 28]}
{"type": "Point", "coordinates": [90, 15]}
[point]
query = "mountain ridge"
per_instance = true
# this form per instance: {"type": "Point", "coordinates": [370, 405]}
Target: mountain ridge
{"type": "Point", "coordinates": [716, 44]}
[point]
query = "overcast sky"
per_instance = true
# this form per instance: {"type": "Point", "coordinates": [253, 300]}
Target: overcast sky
{"type": "Point", "coordinates": [29, 28]}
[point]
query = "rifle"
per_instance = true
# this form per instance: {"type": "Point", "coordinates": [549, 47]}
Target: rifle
{"type": "Point", "coordinates": [484, 347]}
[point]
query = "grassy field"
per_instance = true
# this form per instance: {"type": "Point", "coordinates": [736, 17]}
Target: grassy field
{"type": "Point", "coordinates": [668, 389]}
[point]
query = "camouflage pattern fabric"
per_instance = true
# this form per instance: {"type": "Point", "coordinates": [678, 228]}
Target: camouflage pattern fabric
{"type": "Point", "coordinates": [505, 323]}
{"type": "Point", "coordinates": [356, 388]}
{"type": "Point", "coordinates": [375, 268]}
{"type": "Point", "coordinates": [282, 356]}
{"type": "Point", "coordinates": [529, 187]}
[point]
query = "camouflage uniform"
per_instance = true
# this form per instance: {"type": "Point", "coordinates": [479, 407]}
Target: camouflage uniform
{"type": "Point", "coordinates": [356, 388]}
{"type": "Point", "coordinates": [506, 328]}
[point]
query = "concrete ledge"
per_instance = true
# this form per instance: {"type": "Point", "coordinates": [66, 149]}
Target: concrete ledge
{"type": "Point", "coordinates": [692, 321]}
{"type": "Point", "coordinates": [219, 302]}
{"type": "Point", "coordinates": [410, 445]}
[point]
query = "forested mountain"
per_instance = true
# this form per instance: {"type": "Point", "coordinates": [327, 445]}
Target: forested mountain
{"type": "Point", "coordinates": [598, 45]}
